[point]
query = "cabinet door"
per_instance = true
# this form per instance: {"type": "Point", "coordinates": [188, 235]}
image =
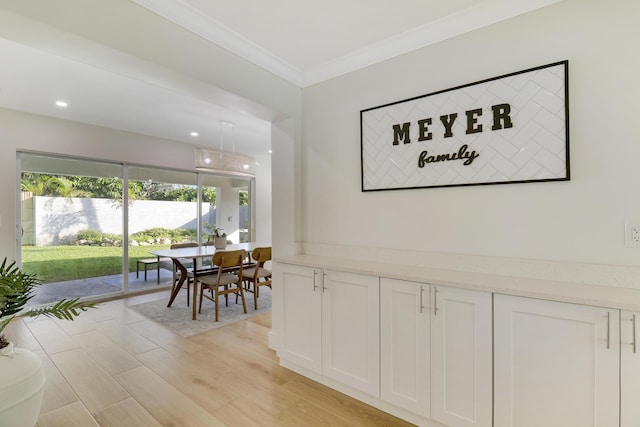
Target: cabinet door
{"type": "Point", "coordinates": [461, 357]}
{"type": "Point", "coordinates": [404, 345]}
{"type": "Point", "coordinates": [630, 369]}
{"type": "Point", "coordinates": [556, 364]}
{"type": "Point", "coordinates": [350, 330]}
{"type": "Point", "coordinates": [301, 315]}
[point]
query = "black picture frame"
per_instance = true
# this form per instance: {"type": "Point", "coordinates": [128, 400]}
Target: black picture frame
{"type": "Point", "coordinates": [372, 120]}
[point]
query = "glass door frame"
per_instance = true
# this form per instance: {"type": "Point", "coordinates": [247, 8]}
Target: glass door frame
{"type": "Point", "coordinates": [124, 176]}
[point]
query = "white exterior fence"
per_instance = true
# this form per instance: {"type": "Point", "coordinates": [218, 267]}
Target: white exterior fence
{"type": "Point", "coordinates": [57, 220]}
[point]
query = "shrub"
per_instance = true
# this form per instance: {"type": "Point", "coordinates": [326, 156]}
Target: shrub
{"type": "Point", "coordinates": [151, 233]}
{"type": "Point", "coordinates": [89, 235]}
{"type": "Point", "coordinates": [180, 234]}
{"type": "Point", "coordinates": [97, 236]}
{"type": "Point", "coordinates": [92, 237]}
{"type": "Point", "coordinates": [175, 235]}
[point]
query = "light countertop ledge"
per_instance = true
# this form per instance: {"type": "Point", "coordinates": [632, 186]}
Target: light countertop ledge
{"type": "Point", "coordinates": [573, 292]}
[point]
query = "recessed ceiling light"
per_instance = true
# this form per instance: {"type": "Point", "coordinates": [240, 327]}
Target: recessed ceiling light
{"type": "Point", "coordinates": [194, 134]}
{"type": "Point", "coordinates": [270, 151]}
{"type": "Point", "coordinates": [61, 104]}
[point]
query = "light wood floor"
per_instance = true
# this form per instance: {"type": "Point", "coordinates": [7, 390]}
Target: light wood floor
{"type": "Point", "coordinates": [114, 367]}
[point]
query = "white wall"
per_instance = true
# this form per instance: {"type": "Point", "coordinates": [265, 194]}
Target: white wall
{"type": "Point", "coordinates": [228, 211]}
{"type": "Point", "coordinates": [57, 220]}
{"type": "Point", "coordinates": [580, 221]}
{"type": "Point", "coordinates": [263, 212]}
{"type": "Point", "coordinates": [286, 180]}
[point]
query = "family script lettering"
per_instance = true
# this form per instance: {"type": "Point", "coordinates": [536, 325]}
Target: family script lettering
{"type": "Point", "coordinates": [462, 154]}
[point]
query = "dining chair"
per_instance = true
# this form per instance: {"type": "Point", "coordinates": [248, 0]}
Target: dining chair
{"type": "Point", "coordinates": [227, 280]}
{"type": "Point", "coordinates": [258, 274]}
{"type": "Point", "coordinates": [167, 264]}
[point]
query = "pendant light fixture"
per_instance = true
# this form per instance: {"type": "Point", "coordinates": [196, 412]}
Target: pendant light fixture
{"type": "Point", "coordinates": [228, 163]}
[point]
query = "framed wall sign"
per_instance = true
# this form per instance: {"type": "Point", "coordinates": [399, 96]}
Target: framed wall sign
{"type": "Point", "coordinates": [508, 129]}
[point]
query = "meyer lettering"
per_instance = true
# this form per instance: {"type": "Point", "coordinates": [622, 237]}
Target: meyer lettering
{"type": "Point", "coordinates": [423, 130]}
{"type": "Point", "coordinates": [501, 118]}
{"type": "Point", "coordinates": [401, 133]}
{"type": "Point", "coordinates": [447, 120]}
{"type": "Point", "coordinates": [472, 121]}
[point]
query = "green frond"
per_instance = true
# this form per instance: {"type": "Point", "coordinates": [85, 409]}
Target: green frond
{"type": "Point", "coordinates": [64, 309]}
{"type": "Point", "coordinates": [4, 322]}
{"type": "Point", "coordinates": [17, 288]}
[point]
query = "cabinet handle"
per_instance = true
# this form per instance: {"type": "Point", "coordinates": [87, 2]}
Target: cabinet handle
{"type": "Point", "coordinates": [633, 330]}
{"type": "Point", "coordinates": [608, 330]}
{"type": "Point", "coordinates": [324, 277]}
{"type": "Point", "coordinates": [421, 303]}
{"type": "Point", "coordinates": [435, 301]}
{"type": "Point", "coordinates": [315, 273]}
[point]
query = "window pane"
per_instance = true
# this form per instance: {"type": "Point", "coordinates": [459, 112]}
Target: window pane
{"type": "Point", "coordinates": [232, 210]}
{"type": "Point", "coordinates": [163, 210]}
{"type": "Point", "coordinates": [71, 226]}
{"type": "Point", "coordinates": [72, 222]}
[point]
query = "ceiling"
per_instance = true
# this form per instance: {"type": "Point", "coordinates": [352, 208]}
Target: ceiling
{"type": "Point", "coordinates": [79, 51]}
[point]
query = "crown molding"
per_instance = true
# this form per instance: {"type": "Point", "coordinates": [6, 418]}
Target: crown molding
{"type": "Point", "coordinates": [216, 32]}
{"type": "Point", "coordinates": [482, 14]}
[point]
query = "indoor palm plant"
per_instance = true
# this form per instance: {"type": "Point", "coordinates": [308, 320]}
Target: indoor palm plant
{"type": "Point", "coordinates": [21, 373]}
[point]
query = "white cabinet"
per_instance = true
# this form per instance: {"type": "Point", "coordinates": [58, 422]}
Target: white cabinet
{"type": "Point", "coordinates": [630, 369]}
{"type": "Point", "coordinates": [350, 330]}
{"type": "Point", "coordinates": [555, 364]}
{"type": "Point", "coordinates": [461, 357]}
{"type": "Point", "coordinates": [330, 324]}
{"type": "Point", "coordinates": [404, 345]}
{"type": "Point", "coordinates": [436, 355]}
{"type": "Point", "coordinates": [301, 293]}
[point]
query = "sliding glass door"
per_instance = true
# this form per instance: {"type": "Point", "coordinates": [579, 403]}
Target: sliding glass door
{"type": "Point", "coordinates": [71, 223]}
{"type": "Point", "coordinates": [85, 236]}
{"type": "Point", "coordinates": [226, 206]}
{"type": "Point", "coordinates": [162, 211]}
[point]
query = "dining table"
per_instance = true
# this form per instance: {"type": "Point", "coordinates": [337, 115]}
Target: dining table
{"type": "Point", "coordinates": [197, 254]}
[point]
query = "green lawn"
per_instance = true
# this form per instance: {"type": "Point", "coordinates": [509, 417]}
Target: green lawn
{"type": "Point", "coordinates": [60, 263]}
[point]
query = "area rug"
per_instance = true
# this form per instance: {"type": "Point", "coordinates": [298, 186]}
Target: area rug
{"type": "Point", "coordinates": [178, 316]}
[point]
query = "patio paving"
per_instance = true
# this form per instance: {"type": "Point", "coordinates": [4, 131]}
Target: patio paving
{"type": "Point", "coordinates": [55, 291]}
